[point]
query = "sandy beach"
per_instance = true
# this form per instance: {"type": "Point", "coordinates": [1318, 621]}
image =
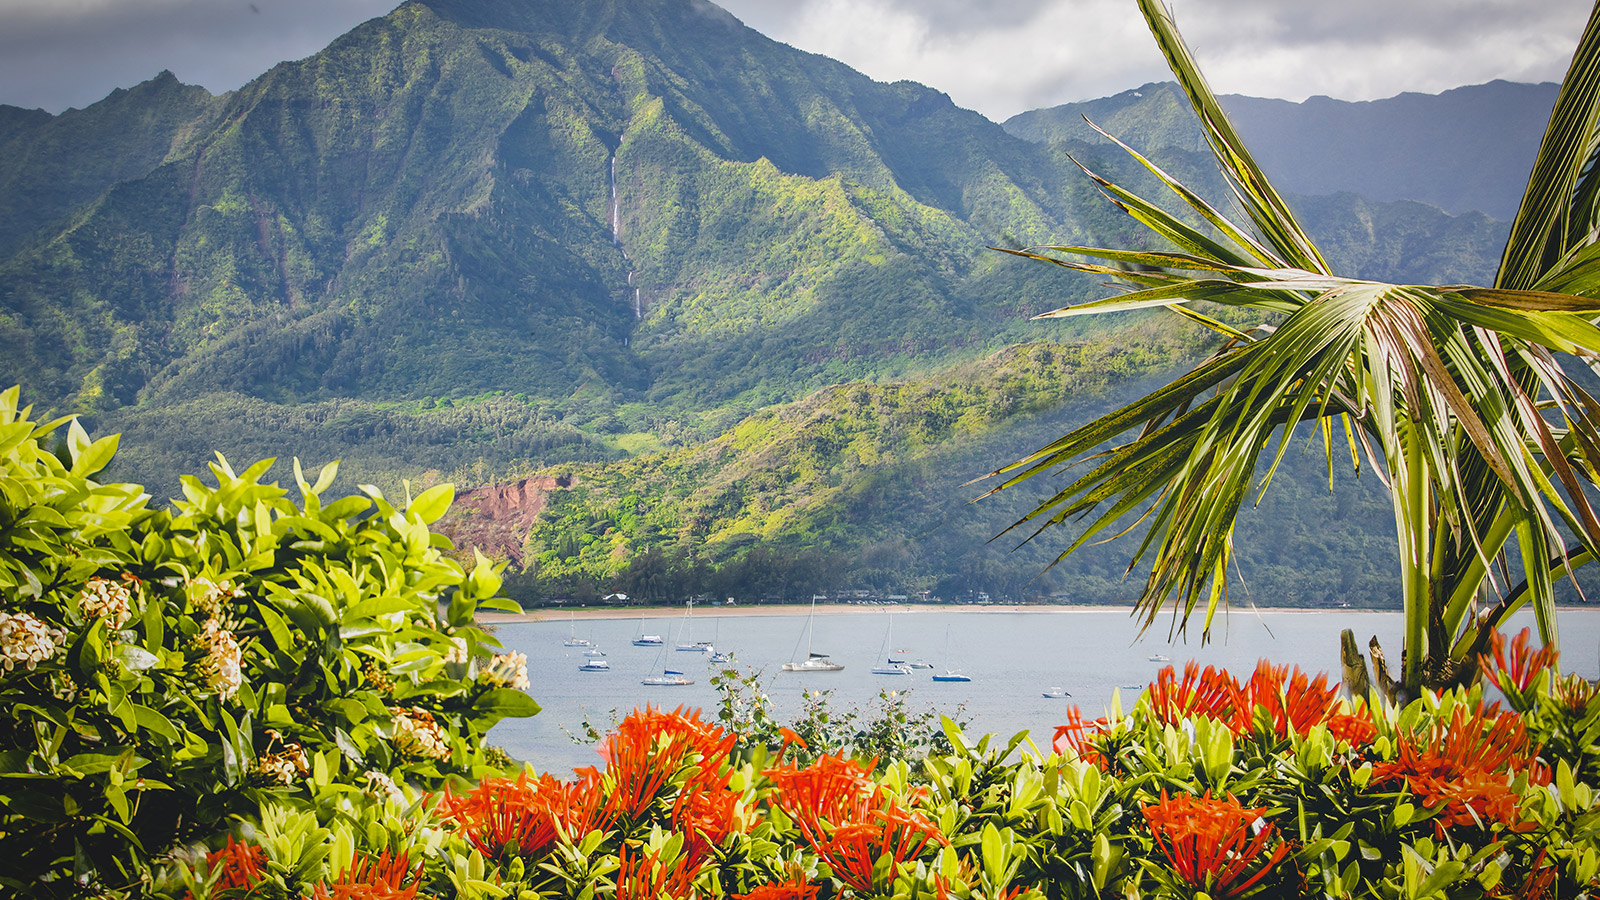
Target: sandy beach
{"type": "Point", "coordinates": [788, 609]}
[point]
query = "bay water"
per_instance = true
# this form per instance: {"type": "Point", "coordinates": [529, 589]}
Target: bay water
{"type": "Point", "coordinates": [1013, 658]}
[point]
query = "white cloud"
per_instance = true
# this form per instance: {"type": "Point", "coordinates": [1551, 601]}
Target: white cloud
{"type": "Point", "coordinates": [1043, 52]}
{"type": "Point", "coordinates": [998, 56]}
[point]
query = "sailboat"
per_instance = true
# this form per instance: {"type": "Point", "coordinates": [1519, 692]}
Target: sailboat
{"type": "Point", "coordinates": [646, 640]}
{"type": "Point", "coordinates": [889, 666]}
{"type": "Point", "coordinates": [572, 639]}
{"type": "Point", "coordinates": [949, 673]}
{"type": "Point", "coordinates": [668, 677]}
{"type": "Point", "coordinates": [688, 632]}
{"type": "Point", "coordinates": [814, 662]}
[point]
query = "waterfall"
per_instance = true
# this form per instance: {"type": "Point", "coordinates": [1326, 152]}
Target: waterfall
{"type": "Point", "coordinates": [637, 312]}
{"type": "Point", "coordinates": [616, 209]}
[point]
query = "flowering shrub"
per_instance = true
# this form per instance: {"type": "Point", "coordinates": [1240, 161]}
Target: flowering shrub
{"type": "Point", "coordinates": [1309, 795]}
{"type": "Point", "coordinates": [166, 672]}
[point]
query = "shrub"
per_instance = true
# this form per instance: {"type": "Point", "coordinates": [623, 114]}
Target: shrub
{"type": "Point", "coordinates": [167, 672]}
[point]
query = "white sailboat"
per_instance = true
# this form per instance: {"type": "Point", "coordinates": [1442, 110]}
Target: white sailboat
{"type": "Point", "coordinates": [689, 646]}
{"type": "Point", "coordinates": [668, 677]}
{"type": "Point", "coordinates": [949, 673]}
{"type": "Point", "coordinates": [646, 640]}
{"type": "Point", "coordinates": [889, 666]}
{"type": "Point", "coordinates": [572, 636]}
{"type": "Point", "coordinates": [814, 662]}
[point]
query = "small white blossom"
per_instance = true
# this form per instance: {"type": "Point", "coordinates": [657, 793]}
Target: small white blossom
{"type": "Point", "coordinates": [417, 734]}
{"type": "Point", "coordinates": [27, 641]}
{"type": "Point", "coordinates": [210, 596]}
{"type": "Point", "coordinates": [102, 598]}
{"type": "Point", "coordinates": [221, 666]}
{"type": "Point", "coordinates": [383, 787]}
{"type": "Point", "coordinates": [508, 670]}
{"type": "Point", "coordinates": [457, 652]}
{"type": "Point", "coordinates": [284, 766]}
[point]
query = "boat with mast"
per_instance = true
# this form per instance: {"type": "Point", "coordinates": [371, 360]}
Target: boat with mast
{"type": "Point", "coordinates": [949, 673]}
{"type": "Point", "coordinates": [814, 662]}
{"type": "Point", "coordinates": [889, 666]}
{"type": "Point", "coordinates": [572, 633]}
{"type": "Point", "coordinates": [689, 646]}
{"type": "Point", "coordinates": [646, 640]}
{"type": "Point", "coordinates": [668, 677]}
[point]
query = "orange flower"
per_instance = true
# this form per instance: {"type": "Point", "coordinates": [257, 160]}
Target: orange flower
{"type": "Point", "coordinates": [240, 864]}
{"type": "Point", "coordinates": [1209, 844]}
{"type": "Point", "coordinates": [1076, 736]}
{"type": "Point", "coordinates": [848, 819]}
{"type": "Point", "coordinates": [794, 889]}
{"type": "Point", "coordinates": [1212, 693]}
{"type": "Point", "coordinates": [1522, 667]}
{"type": "Point", "coordinates": [1466, 766]}
{"type": "Point", "coordinates": [524, 816]}
{"type": "Point", "coordinates": [369, 879]}
{"type": "Point", "coordinates": [643, 876]}
{"type": "Point", "coordinates": [852, 849]}
{"type": "Point", "coordinates": [650, 747]}
{"type": "Point", "coordinates": [1282, 700]}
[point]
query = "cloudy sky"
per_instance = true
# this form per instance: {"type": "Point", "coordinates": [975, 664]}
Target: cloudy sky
{"type": "Point", "coordinates": [999, 57]}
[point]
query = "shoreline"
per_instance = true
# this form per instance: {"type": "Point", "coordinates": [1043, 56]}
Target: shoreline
{"type": "Point", "coordinates": [837, 609]}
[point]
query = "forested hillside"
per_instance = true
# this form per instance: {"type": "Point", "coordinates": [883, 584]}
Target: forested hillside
{"type": "Point", "coordinates": [630, 243]}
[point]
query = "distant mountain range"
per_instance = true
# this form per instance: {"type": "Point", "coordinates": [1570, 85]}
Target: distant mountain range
{"type": "Point", "coordinates": [1466, 150]}
{"type": "Point", "coordinates": [484, 239]}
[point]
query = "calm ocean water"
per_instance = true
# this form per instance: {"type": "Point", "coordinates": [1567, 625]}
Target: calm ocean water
{"type": "Point", "coordinates": [1012, 659]}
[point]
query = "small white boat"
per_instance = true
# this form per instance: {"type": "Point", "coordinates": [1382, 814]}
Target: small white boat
{"type": "Point", "coordinates": [595, 665]}
{"type": "Point", "coordinates": [814, 662]}
{"type": "Point", "coordinates": [721, 657]}
{"type": "Point", "coordinates": [667, 678]}
{"type": "Point", "coordinates": [594, 653]}
{"type": "Point", "coordinates": [1156, 657]}
{"type": "Point", "coordinates": [949, 673]}
{"type": "Point", "coordinates": [1056, 693]}
{"type": "Point", "coordinates": [892, 668]}
{"type": "Point", "coordinates": [912, 663]}
{"type": "Point", "coordinates": [646, 640]}
{"type": "Point", "coordinates": [572, 639]}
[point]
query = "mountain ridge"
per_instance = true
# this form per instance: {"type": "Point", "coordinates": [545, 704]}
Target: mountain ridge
{"type": "Point", "coordinates": [478, 241]}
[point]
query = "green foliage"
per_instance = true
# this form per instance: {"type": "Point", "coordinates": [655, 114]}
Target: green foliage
{"type": "Point", "coordinates": [1205, 787]}
{"type": "Point", "coordinates": [168, 672]}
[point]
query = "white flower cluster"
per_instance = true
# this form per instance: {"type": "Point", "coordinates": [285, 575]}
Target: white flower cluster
{"type": "Point", "coordinates": [284, 766]}
{"type": "Point", "coordinates": [221, 666]}
{"type": "Point", "coordinates": [383, 787]}
{"type": "Point", "coordinates": [211, 595]}
{"type": "Point", "coordinates": [417, 734]}
{"type": "Point", "coordinates": [102, 598]}
{"type": "Point", "coordinates": [508, 670]}
{"type": "Point", "coordinates": [27, 641]}
{"type": "Point", "coordinates": [457, 652]}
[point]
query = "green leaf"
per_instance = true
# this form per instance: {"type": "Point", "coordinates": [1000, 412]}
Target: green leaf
{"type": "Point", "coordinates": [432, 503]}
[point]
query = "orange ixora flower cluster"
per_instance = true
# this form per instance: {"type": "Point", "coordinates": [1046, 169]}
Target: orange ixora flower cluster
{"type": "Point", "coordinates": [1467, 765]}
{"type": "Point", "coordinates": [661, 768]}
{"type": "Point", "coordinates": [1214, 845]}
{"type": "Point", "coordinates": [237, 867]}
{"type": "Point", "coordinates": [850, 820]}
{"type": "Point", "coordinates": [525, 815]}
{"type": "Point", "coordinates": [383, 878]}
{"type": "Point", "coordinates": [1274, 700]}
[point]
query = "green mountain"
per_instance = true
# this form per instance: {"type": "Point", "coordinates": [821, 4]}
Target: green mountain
{"type": "Point", "coordinates": [629, 244]}
{"type": "Point", "coordinates": [1464, 150]}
